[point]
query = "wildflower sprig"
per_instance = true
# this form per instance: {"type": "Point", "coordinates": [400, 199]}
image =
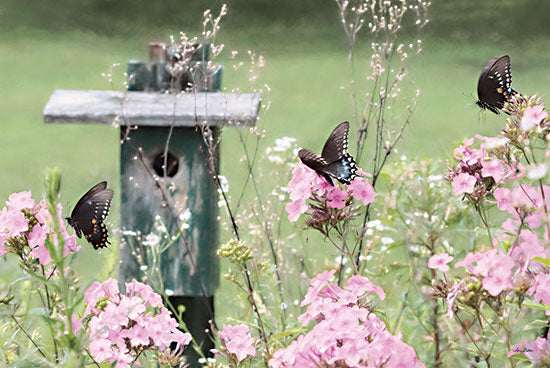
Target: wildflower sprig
{"type": "Point", "coordinates": [508, 171]}
{"type": "Point", "coordinates": [237, 251]}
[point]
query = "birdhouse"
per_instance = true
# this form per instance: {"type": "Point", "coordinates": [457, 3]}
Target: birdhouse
{"type": "Point", "coordinates": [166, 119]}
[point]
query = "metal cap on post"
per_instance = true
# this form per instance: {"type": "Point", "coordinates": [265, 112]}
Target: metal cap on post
{"type": "Point", "coordinates": [189, 267]}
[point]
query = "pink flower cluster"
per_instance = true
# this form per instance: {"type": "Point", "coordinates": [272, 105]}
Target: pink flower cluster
{"type": "Point", "coordinates": [493, 267]}
{"type": "Point", "coordinates": [532, 117]}
{"type": "Point", "coordinates": [237, 340]}
{"type": "Point", "coordinates": [439, 262]}
{"type": "Point", "coordinates": [478, 169]}
{"type": "Point", "coordinates": [307, 185]}
{"type": "Point", "coordinates": [122, 327]}
{"type": "Point", "coordinates": [24, 222]}
{"type": "Point", "coordinates": [524, 203]}
{"type": "Point", "coordinates": [541, 289]}
{"type": "Point", "coordinates": [345, 333]}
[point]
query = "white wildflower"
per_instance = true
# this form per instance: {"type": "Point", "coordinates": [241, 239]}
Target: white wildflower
{"type": "Point", "coordinates": [169, 292]}
{"type": "Point", "coordinates": [185, 215]}
{"type": "Point", "coordinates": [224, 183]}
{"type": "Point", "coordinates": [275, 159]}
{"type": "Point", "coordinates": [536, 171]}
{"type": "Point", "coordinates": [283, 144]}
{"type": "Point", "coordinates": [151, 240]}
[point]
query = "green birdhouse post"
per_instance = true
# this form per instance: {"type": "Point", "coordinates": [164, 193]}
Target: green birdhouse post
{"type": "Point", "coordinates": [165, 168]}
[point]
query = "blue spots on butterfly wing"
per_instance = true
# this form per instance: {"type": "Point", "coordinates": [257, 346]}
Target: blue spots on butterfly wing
{"type": "Point", "coordinates": [344, 170]}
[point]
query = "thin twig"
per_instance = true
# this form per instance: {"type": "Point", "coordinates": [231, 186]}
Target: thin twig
{"type": "Point", "coordinates": [28, 336]}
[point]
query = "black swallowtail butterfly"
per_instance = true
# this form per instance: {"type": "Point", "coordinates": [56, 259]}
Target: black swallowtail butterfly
{"type": "Point", "coordinates": [335, 161]}
{"type": "Point", "coordinates": [494, 87]}
{"type": "Point", "coordinates": [88, 215]}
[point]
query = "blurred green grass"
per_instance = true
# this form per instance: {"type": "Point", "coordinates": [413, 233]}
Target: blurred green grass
{"type": "Point", "coordinates": [306, 66]}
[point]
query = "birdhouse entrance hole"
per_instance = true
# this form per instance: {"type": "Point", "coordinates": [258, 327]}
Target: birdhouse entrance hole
{"type": "Point", "coordinates": [172, 165]}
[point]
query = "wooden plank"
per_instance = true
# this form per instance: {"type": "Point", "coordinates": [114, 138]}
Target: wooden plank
{"type": "Point", "coordinates": [152, 108]}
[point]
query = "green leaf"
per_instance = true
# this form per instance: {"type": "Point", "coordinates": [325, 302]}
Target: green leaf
{"type": "Point", "coordinates": [289, 333]}
{"type": "Point", "coordinates": [531, 304]}
{"type": "Point", "coordinates": [542, 260]}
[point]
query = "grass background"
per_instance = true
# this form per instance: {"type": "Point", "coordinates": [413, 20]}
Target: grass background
{"type": "Point", "coordinates": [45, 45]}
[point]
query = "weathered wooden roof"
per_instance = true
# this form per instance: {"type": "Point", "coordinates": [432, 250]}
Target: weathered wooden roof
{"type": "Point", "coordinates": [152, 108]}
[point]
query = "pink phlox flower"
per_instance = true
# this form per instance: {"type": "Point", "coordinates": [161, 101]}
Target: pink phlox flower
{"type": "Point", "coordinates": [360, 286]}
{"type": "Point", "coordinates": [316, 310]}
{"type": "Point", "coordinates": [300, 191]}
{"type": "Point", "coordinates": [439, 262]}
{"type": "Point", "coordinates": [497, 282]}
{"type": "Point", "coordinates": [101, 350]}
{"type": "Point", "coordinates": [336, 198]}
{"type": "Point", "coordinates": [182, 339]}
{"type": "Point", "coordinates": [463, 149]}
{"type": "Point", "coordinates": [137, 335]}
{"type": "Point", "coordinates": [317, 283]}
{"type": "Point", "coordinates": [114, 336]}
{"type": "Point", "coordinates": [493, 168]}
{"type": "Point", "coordinates": [77, 324]}
{"type": "Point", "coordinates": [320, 185]}
{"type": "Point", "coordinates": [498, 273]}
{"type": "Point", "coordinates": [145, 291]}
{"type": "Point", "coordinates": [492, 142]}
{"type": "Point", "coordinates": [474, 157]}
{"type": "Point", "coordinates": [301, 183]}
{"type": "Point", "coordinates": [91, 296]}
{"type": "Point", "coordinates": [485, 262]}
{"type": "Point", "coordinates": [532, 116]}
{"type": "Point", "coordinates": [469, 260]}
{"type": "Point", "coordinates": [42, 254]}
{"type": "Point", "coordinates": [504, 199]}
{"type": "Point", "coordinates": [68, 240]}
{"type": "Point", "coordinates": [110, 290]}
{"type": "Point", "coordinates": [541, 289]}
{"type": "Point", "coordinates": [511, 225]}
{"type": "Point", "coordinates": [13, 223]}
{"type": "Point", "coordinates": [160, 335]}
{"type": "Point", "coordinates": [37, 239]}
{"type": "Point", "coordinates": [530, 245]}
{"type": "Point", "coordinates": [98, 329]}
{"type": "Point", "coordinates": [295, 209]}
{"type": "Point", "coordinates": [18, 201]}
{"type": "Point", "coordinates": [115, 315]}
{"type": "Point", "coordinates": [43, 216]}
{"type": "Point", "coordinates": [463, 183]}
{"type": "Point", "coordinates": [122, 358]}
{"type": "Point", "coordinates": [534, 220]}
{"type": "Point", "coordinates": [526, 196]}
{"type": "Point", "coordinates": [135, 306]}
{"type": "Point", "coordinates": [238, 341]}
{"type": "Point", "coordinates": [362, 190]}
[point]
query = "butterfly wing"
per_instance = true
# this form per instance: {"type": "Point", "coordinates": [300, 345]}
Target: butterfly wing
{"type": "Point", "coordinates": [337, 143]}
{"type": "Point", "coordinates": [341, 164]}
{"type": "Point", "coordinates": [335, 161]}
{"type": "Point", "coordinates": [90, 212]}
{"type": "Point", "coordinates": [96, 188]}
{"type": "Point", "coordinates": [314, 162]}
{"type": "Point", "coordinates": [344, 169]}
{"type": "Point", "coordinates": [494, 86]}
